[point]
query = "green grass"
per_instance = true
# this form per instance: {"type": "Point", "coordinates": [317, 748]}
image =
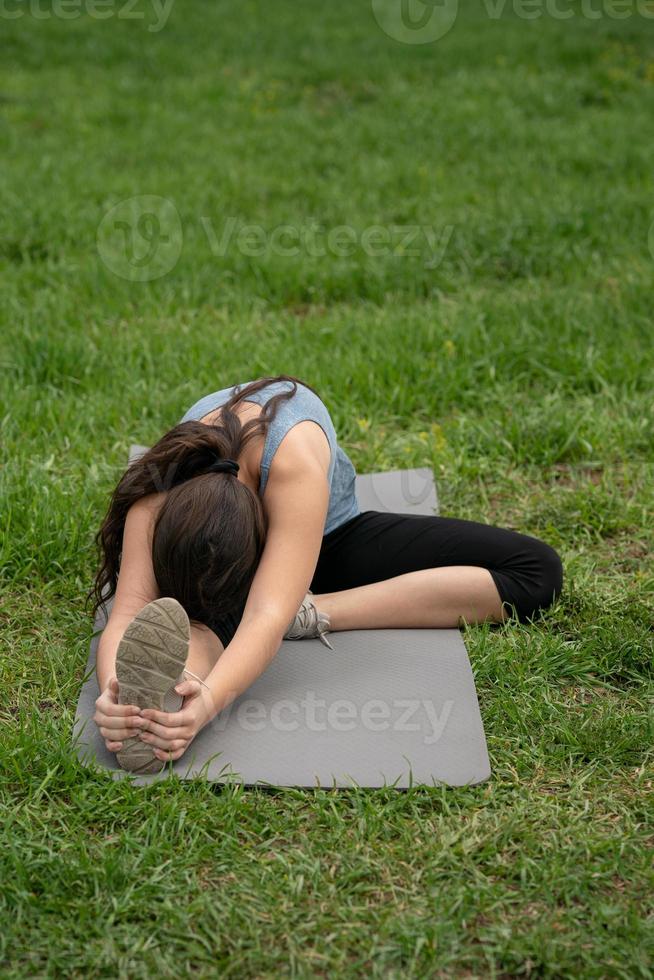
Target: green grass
{"type": "Point", "coordinates": [520, 367]}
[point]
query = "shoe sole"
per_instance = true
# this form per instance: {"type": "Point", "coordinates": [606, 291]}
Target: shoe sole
{"type": "Point", "coordinates": [149, 662]}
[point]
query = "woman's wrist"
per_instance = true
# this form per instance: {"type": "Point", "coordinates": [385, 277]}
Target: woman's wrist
{"type": "Point", "coordinates": [205, 708]}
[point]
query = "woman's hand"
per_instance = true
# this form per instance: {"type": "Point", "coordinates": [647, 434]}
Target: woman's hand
{"type": "Point", "coordinates": [115, 721]}
{"type": "Point", "coordinates": [170, 733]}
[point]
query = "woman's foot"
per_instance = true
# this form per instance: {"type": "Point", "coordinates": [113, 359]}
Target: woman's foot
{"type": "Point", "coordinates": [309, 622]}
{"type": "Point", "coordinates": [150, 661]}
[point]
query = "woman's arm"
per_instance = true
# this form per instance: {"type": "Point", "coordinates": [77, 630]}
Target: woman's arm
{"type": "Point", "coordinates": [136, 583]}
{"type": "Point", "coordinates": [296, 501]}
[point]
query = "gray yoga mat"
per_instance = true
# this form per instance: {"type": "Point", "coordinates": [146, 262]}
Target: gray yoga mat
{"type": "Point", "coordinates": [385, 707]}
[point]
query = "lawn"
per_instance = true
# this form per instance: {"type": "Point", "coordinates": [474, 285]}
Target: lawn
{"type": "Point", "coordinates": [278, 153]}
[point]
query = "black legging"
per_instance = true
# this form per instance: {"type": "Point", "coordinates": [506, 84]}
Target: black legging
{"type": "Point", "coordinates": [376, 545]}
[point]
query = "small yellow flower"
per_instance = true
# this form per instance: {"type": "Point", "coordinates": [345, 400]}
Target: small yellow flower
{"type": "Point", "coordinates": [438, 437]}
{"type": "Point", "coordinates": [449, 347]}
{"type": "Point", "coordinates": [617, 74]}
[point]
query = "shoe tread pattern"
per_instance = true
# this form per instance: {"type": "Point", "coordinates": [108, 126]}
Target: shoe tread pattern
{"type": "Point", "coordinates": [149, 661]}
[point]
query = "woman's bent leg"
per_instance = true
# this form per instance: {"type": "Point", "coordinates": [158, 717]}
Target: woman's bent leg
{"type": "Point", "coordinates": [436, 598]}
{"type": "Point", "coordinates": [382, 570]}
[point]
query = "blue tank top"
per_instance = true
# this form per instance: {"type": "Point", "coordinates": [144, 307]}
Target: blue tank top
{"type": "Point", "coordinates": [304, 404]}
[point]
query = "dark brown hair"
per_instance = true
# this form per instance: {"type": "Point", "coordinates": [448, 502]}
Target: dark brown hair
{"type": "Point", "coordinates": [210, 530]}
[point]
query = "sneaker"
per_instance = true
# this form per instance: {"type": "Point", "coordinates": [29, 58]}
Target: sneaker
{"type": "Point", "coordinates": [149, 663]}
{"type": "Point", "coordinates": [308, 622]}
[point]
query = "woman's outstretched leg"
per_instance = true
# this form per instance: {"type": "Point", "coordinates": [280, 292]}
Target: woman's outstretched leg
{"type": "Point", "coordinates": [205, 648]}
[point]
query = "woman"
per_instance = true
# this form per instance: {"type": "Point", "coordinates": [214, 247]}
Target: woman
{"type": "Point", "coordinates": [240, 528]}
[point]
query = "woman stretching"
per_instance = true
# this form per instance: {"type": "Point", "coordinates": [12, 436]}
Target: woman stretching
{"type": "Point", "coordinates": [241, 528]}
